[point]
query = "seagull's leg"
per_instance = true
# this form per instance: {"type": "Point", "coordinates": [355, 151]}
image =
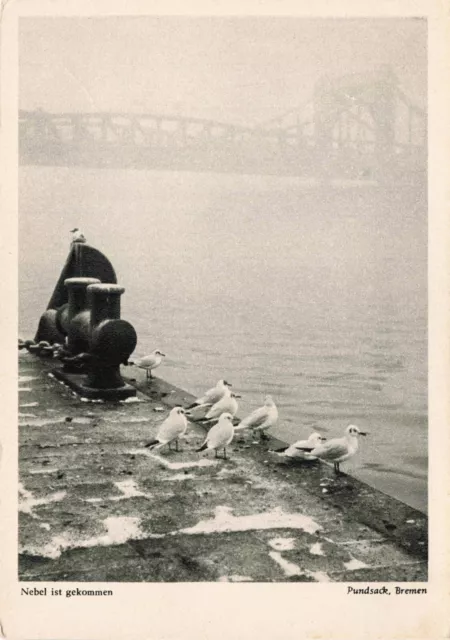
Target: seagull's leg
{"type": "Point", "coordinates": [176, 444]}
{"type": "Point", "coordinates": [215, 453]}
{"type": "Point", "coordinates": [224, 453]}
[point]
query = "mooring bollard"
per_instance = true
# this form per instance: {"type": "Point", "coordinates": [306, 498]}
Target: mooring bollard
{"type": "Point", "coordinates": [73, 318]}
{"type": "Point", "coordinates": [84, 314]}
{"type": "Point", "coordinates": [98, 340]}
{"type": "Point", "coordinates": [112, 340]}
{"type": "Point", "coordinates": [83, 261]}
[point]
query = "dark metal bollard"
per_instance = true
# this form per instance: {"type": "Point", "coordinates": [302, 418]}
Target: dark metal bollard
{"type": "Point", "coordinates": [112, 340]}
{"type": "Point", "coordinates": [98, 341]}
{"type": "Point", "coordinates": [84, 314]}
{"type": "Point", "coordinates": [73, 318]}
{"type": "Point", "coordinates": [82, 261]}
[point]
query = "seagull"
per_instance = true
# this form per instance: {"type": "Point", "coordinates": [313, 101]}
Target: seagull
{"type": "Point", "coordinates": [171, 429]}
{"type": "Point", "coordinates": [77, 235]}
{"type": "Point", "coordinates": [339, 449]}
{"type": "Point", "coordinates": [301, 449]}
{"type": "Point", "coordinates": [213, 395]}
{"type": "Point", "coordinates": [150, 362]}
{"type": "Point", "coordinates": [227, 404]}
{"type": "Point", "coordinates": [220, 435]}
{"type": "Point", "coordinates": [262, 418]}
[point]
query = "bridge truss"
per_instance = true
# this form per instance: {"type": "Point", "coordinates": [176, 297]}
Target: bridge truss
{"type": "Point", "coordinates": [354, 127]}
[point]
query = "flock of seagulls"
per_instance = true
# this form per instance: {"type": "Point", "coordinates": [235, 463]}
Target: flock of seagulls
{"type": "Point", "coordinates": [217, 409]}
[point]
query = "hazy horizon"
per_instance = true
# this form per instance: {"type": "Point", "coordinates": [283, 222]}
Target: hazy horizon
{"type": "Point", "coordinates": [243, 70]}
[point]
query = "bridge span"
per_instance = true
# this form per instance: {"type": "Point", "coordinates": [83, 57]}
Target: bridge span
{"type": "Point", "coordinates": [355, 127]}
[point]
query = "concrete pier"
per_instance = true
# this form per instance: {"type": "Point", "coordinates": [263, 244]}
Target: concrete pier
{"type": "Point", "coordinates": [96, 506]}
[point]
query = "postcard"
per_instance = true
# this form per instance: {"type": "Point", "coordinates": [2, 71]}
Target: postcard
{"type": "Point", "coordinates": [225, 267]}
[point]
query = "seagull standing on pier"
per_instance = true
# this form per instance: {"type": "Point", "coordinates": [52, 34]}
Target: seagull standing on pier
{"type": "Point", "coordinates": [173, 427]}
{"type": "Point", "coordinates": [213, 395]}
{"type": "Point", "coordinates": [301, 450]}
{"type": "Point", "coordinates": [77, 236]}
{"type": "Point", "coordinates": [261, 419]}
{"type": "Point", "coordinates": [220, 435]}
{"type": "Point", "coordinates": [339, 449]}
{"type": "Point", "coordinates": [150, 362]}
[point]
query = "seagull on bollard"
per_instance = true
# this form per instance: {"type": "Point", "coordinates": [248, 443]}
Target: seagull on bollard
{"type": "Point", "coordinates": [213, 395]}
{"type": "Point", "coordinates": [339, 449]}
{"type": "Point", "coordinates": [149, 362]}
{"type": "Point", "coordinates": [173, 427]}
{"type": "Point", "coordinates": [227, 404]}
{"type": "Point", "coordinates": [77, 236]}
{"type": "Point", "coordinates": [220, 435]}
{"type": "Point", "coordinates": [301, 450]}
{"type": "Point", "coordinates": [261, 419]}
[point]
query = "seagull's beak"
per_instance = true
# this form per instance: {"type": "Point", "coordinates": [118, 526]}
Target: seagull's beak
{"type": "Point", "coordinates": [363, 433]}
{"type": "Point", "coordinates": [237, 396]}
{"type": "Point", "coordinates": [162, 354]}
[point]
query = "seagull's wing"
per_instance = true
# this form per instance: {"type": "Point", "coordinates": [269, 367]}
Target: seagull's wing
{"type": "Point", "coordinates": [256, 419]}
{"type": "Point", "coordinates": [216, 410]}
{"type": "Point", "coordinates": [209, 397]}
{"type": "Point", "coordinates": [171, 429]}
{"type": "Point", "coordinates": [303, 444]}
{"type": "Point", "coordinates": [146, 361]}
{"type": "Point", "coordinates": [301, 454]}
{"type": "Point", "coordinates": [331, 450]}
{"type": "Point", "coordinates": [221, 436]}
{"type": "Point", "coordinates": [215, 436]}
{"type": "Point", "coordinates": [198, 412]}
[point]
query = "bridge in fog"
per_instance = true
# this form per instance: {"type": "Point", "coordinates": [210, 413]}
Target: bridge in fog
{"type": "Point", "coordinates": [354, 127]}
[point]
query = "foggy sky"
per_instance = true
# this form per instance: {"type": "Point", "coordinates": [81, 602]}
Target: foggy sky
{"type": "Point", "coordinates": [241, 70]}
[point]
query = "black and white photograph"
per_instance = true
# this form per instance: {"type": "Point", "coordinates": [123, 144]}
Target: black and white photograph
{"type": "Point", "coordinates": [223, 302]}
{"type": "Point", "coordinates": [222, 243]}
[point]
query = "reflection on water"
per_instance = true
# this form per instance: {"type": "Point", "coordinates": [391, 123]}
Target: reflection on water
{"type": "Point", "coordinates": [317, 296]}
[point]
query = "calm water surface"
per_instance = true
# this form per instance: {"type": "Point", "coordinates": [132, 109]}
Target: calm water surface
{"type": "Point", "coordinates": [315, 295]}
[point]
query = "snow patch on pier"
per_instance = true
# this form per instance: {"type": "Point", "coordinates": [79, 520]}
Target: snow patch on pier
{"type": "Point", "coordinates": [289, 568]}
{"type": "Point", "coordinates": [353, 564]}
{"type": "Point", "coordinates": [119, 529]}
{"type": "Point", "coordinates": [129, 490]}
{"type": "Point", "coordinates": [174, 466]}
{"type": "Point", "coordinates": [224, 521]}
{"type": "Point", "coordinates": [27, 501]}
{"type": "Point", "coordinates": [27, 378]}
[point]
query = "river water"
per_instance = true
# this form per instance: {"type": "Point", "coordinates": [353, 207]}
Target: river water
{"type": "Point", "coordinates": [316, 295]}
